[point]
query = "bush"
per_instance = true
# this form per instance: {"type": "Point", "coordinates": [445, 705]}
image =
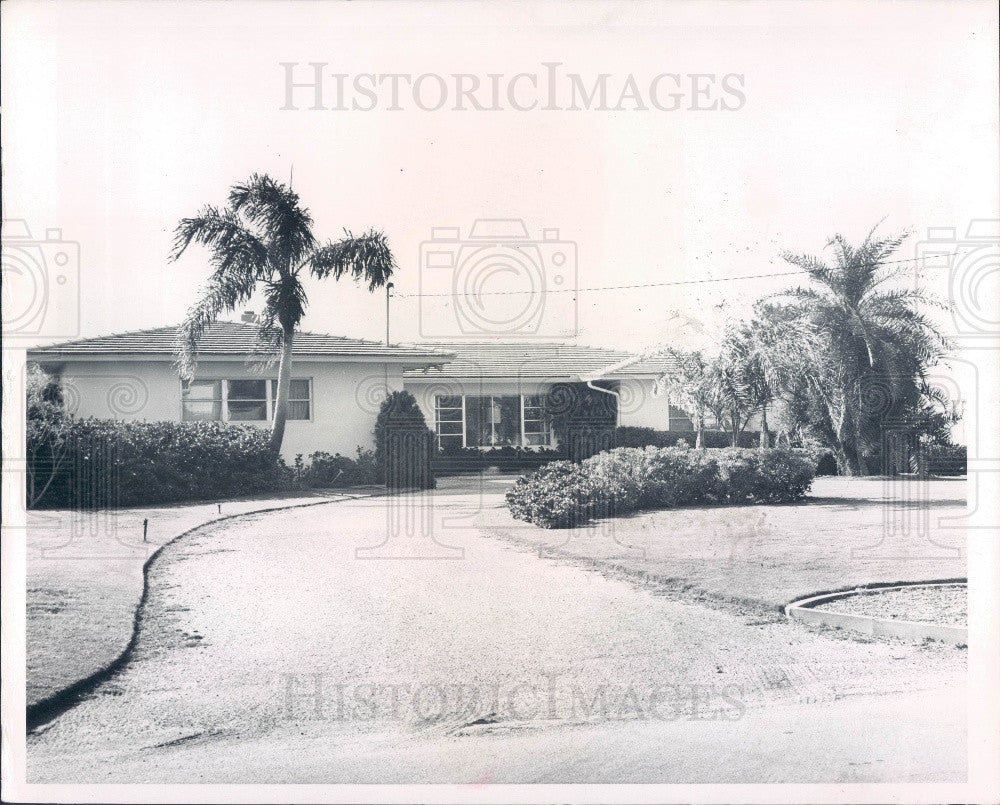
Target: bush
{"type": "Point", "coordinates": [106, 463]}
{"type": "Point", "coordinates": [403, 444]}
{"type": "Point", "coordinates": [325, 471]}
{"type": "Point", "coordinates": [615, 482]}
{"type": "Point", "coordinates": [559, 495]}
{"type": "Point", "coordinates": [507, 459]}
{"type": "Point", "coordinates": [765, 476]}
{"type": "Point", "coordinates": [628, 436]}
{"type": "Point", "coordinates": [945, 459]}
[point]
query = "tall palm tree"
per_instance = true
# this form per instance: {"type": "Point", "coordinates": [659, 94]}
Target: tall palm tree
{"type": "Point", "coordinates": [263, 240]}
{"type": "Point", "coordinates": [874, 334]}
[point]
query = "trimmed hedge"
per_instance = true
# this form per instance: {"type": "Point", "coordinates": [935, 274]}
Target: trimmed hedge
{"type": "Point", "coordinates": [106, 463]}
{"type": "Point", "coordinates": [623, 480]}
{"type": "Point", "coordinates": [946, 459]}
{"type": "Point", "coordinates": [403, 444]}
{"type": "Point", "coordinates": [326, 471]}
{"type": "Point", "coordinates": [627, 436]}
{"type": "Point", "coordinates": [506, 459]}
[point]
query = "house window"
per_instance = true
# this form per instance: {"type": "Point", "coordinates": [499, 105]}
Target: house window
{"type": "Point", "coordinates": [449, 422]}
{"type": "Point", "coordinates": [535, 424]}
{"type": "Point", "coordinates": [202, 401]}
{"type": "Point", "coordinates": [243, 400]}
{"type": "Point", "coordinates": [298, 398]}
{"type": "Point", "coordinates": [247, 400]}
{"type": "Point", "coordinates": [491, 421]}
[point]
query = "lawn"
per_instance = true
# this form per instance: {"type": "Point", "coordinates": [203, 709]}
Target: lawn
{"type": "Point", "coordinates": [848, 531]}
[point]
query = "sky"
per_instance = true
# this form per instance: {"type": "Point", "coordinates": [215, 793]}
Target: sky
{"type": "Point", "coordinates": [120, 119]}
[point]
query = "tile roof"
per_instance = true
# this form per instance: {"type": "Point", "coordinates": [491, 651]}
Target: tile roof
{"type": "Point", "coordinates": [229, 338]}
{"type": "Point", "coordinates": [554, 361]}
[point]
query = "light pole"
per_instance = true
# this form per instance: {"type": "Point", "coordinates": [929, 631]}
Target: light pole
{"type": "Point", "coordinates": [388, 287]}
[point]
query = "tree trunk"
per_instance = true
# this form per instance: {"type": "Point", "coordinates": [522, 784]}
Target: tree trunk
{"type": "Point", "coordinates": [699, 441]}
{"type": "Point", "coordinates": [284, 382]}
{"type": "Point", "coordinates": [765, 437]}
{"type": "Point", "coordinates": [843, 463]}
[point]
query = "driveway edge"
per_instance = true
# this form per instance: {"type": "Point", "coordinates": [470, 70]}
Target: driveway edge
{"type": "Point", "coordinates": [55, 704]}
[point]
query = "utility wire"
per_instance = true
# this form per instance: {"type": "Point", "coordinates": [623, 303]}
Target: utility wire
{"type": "Point", "coordinates": [650, 284]}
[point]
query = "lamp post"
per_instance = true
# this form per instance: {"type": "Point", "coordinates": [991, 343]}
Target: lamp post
{"type": "Point", "coordinates": [388, 287]}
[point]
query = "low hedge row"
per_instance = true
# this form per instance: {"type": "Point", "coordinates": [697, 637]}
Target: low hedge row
{"type": "Point", "coordinates": [629, 436]}
{"type": "Point", "coordinates": [325, 471]}
{"type": "Point", "coordinates": [105, 463]}
{"type": "Point", "coordinates": [506, 459]}
{"type": "Point", "coordinates": [564, 495]}
{"type": "Point", "coordinates": [946, 459]}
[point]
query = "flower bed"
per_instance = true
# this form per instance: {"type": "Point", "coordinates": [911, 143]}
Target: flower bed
{"type": "Point", "coordinates": [627, 479]}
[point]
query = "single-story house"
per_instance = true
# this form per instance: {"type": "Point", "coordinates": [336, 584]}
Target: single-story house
{"type": "Point", "coordinates": [472, 394]}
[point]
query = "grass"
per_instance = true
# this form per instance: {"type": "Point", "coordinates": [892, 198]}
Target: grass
{"type": "Point", "coordinates": [847, 532]}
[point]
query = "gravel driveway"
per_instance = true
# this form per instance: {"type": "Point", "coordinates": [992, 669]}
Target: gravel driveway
{"type": "Point", "coordinates": [268, 651]}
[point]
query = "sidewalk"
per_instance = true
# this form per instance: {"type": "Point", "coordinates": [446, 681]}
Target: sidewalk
{"type": "Point", "coordinates": [85, 579]}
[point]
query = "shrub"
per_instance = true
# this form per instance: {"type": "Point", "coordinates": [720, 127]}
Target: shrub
{"type": "Point", "coordinates": [403, 444]}
{"type": "Point", "coordinates": [628, 436]}
{"type": "Point", "coordinates": [765, 476]}
{"type": "Point", "coordinates": [506, 459]}
{"type": "Point", "coordinates": [325, 470]}
{"type": "Point", "coordinates": [945, 459]}
{"type": "Point", "coordinates": [622, 480]}
{"type": "Point", "coordinates": [559, 495]}
{"type": "Point", "coordinates": [110, 463]}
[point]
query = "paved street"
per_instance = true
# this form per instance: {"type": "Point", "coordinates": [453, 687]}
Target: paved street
{"type": "Point", "coordinates": [272, 649]}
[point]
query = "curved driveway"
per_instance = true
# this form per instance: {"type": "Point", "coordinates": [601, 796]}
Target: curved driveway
{"type": "Point", "coordinates": [272, 650]}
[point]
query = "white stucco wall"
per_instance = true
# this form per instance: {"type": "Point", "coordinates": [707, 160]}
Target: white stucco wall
{"type": "Point", "coordinates": [345, 396]}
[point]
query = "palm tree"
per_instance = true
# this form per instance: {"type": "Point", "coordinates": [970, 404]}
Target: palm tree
{"type": "Point", "coordinates": [873, 335]}
{"type": "Point", "coordinates": [767, 353]}
{"type": "Point", "coordinates": [686, 384]}
{"type": "Point", "coordinates": [263, 240]}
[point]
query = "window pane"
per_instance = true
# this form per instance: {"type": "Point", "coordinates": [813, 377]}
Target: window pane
{"type": "Point", "coordinates": [478, 428]}
{"type": "Point", "coordinates": [443, 401]}
{"type": "Point", "coordinates": [298, 409]}
{"type": "Point", "coordinates": [202, 410]}
{"type": "Point", "coordinates": [247, 410]}
{"type": "Point", "coordinates": [536, 439]}
{"type": "Point", "coordinates": [449, 415]}
{"type": "Point", "coordinates": [449, 428]}
{"type": "Point", "coordinates": [247, 390]}
{"type": "Point", "coordinates": [450, 442]}
{"type": "Point", "coordinates": [506, 420]}
{"type": "Point", "coordinates": [203, 390]}
{"type": "Point", "coordinates": [297, 390]}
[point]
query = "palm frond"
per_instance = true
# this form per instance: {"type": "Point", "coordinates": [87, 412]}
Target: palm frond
{"type": "Point", "coordinates": [366, 258]}
{"type": "Point", "coordinates": [222, 294]}
{"type": "Point", "coordinates": [222, 232]}
{"type": "Point", "coordinates": [275, 210]}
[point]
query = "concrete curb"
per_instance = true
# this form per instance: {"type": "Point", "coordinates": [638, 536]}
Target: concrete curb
{"type": "Point", "coordinates": [804, 610]}
{"type": "Point", "coordinates": [54, 705]}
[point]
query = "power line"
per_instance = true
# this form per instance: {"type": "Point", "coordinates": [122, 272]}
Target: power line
{"type": "Point", "coordinates": [650, 284]}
